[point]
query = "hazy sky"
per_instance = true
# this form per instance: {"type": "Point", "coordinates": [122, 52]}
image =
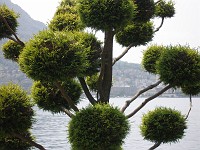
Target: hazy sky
{"type": "Point", "coordinates": [183, 28]}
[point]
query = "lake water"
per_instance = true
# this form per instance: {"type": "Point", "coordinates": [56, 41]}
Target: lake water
{"type": "Point", "coordinates": [51, 130]}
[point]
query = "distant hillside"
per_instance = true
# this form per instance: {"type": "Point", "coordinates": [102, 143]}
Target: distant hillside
{"type": "Point", "coordinates": [9, 71]}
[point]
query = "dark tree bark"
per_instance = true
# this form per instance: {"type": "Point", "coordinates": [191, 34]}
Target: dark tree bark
{"type": "Point", "coordinates": [105, 77]}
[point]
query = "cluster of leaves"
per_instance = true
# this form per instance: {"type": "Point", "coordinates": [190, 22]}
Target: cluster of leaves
{"type": "Point", "coordinates": [105, 14]}
{"type": "Point", "coordinates": [145, 10]}
{"type": "Point", "coordinates": [11, 50]}
{"type": "Point", "coordinates": [16, 115]}
{"type": "Point", "coordinates": [178, 66]}
{"type": "Point", "coordinates": [98, 127]}
{"type": "Point", "coordinates": [66, 18]}
{"type": "Point", "coordinates": [11, 17]}
{"type": "Point", "coordinates": [136, 34]}
{"type": "Point", "coordinates": [165, 9]}
{"type": "Point", "coordinates": [49, 98]}
{"type": "Point", "coordinates": [92, 82]}
{"type": "Point", "coordinates": [10, 143]}
{"type": "Point", "coordinates": [48, 57]}
{"type": "Point", "coordinates": [150, 58]}
{"type": "Point", "coordinates": [163, 125]}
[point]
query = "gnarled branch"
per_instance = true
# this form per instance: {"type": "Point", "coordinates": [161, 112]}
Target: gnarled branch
{"type": "Point", "coordinates": [155, 146]}
{"type": "Point", "coordinates": [161, 24]}
{"type": "Point", "coordinates": [66, 111]}
{"type": "Point", "coordinates": [157, 2]}
{"type": "Point", "coordinates": [122, 55]}
{"type": "Point", "coordinates": [86, 91]}
{"type": "Point", "coordinates": [138, 94]}
{"type": "Point", "coordinates": [189, 108]}
{"type": "Point", "coordinates": [148, 100]}
{"type": "Point", "coordinates": [66, 97]}
{"type": "Point", "coordinates": [9, 28]}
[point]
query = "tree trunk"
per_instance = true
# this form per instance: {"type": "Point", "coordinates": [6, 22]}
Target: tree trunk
{"type": "Point", "coordinates": [105, 77]}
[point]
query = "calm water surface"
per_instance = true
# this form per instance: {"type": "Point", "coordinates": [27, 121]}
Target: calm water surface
{"type": "Point", "coordinates": [51, 130]}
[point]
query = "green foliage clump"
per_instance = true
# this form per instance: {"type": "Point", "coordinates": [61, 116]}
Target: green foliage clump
{"type": "Point", "coordinates": [105, 14]}
{"type": "Point", "coordinates": [53, 56]}
{"type": "Point", "coordinates": [66, 18]}
{"type": "Point", "coordinates": [165, 9]}
{"type": "Point", "coordinates": [16, 113]}
{"type": "Point", "coordinates": [92, 82]}
{"type": "Point", "coordinates": [150, 57]}
{"type": "Point", "coordinates": [68, 6]}
{"type": "Point", "coordinates": [179, 66]}
{"type": "Point", "coordinates": [11, 50]}
{"type": "Point", "coordinates": [10, 143]}
{"type": "Point", "coordinates": [11, 18]}
{"type": "Point", "coordinates": [145, 10]}
{"type": "Point", "coordinates": [191, 89]}
{"type": "Point", "coordinates": [136, 34]}
{"type": "Point", "coordinates": [48, 97]}
{"type": "Point", "coordinates": [98, 127]}
{"type": "Point", "coordinates": [65, 22]}
{"type": "Point", "coordinates": [93, 51]}
{"type": "Point", "coordinates": [163, 125]}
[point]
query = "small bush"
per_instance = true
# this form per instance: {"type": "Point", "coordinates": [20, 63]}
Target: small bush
{"type": "Point", "coordinates": [163, 125]}
{"type": "Point", "coordinates": [48, 97]}
{"type": "Point", "coordinates": [179, 66]}
{"type": "Point", "coordinates": [16, 113]}
{"type": "Point", "coordinates": [11, 50]}
{"type": "Point", "coordinates": [191, 90]}
{"type": "Point", "coordinates": [53, 56]}
{"type": "Point", "coordinates": [10, 143]}
{"type": "Point", "coordinates": [105, 14]}
{"type": "Point", "coordinates": [136, 34]}
{"type": "Point", "coordinates": [165, 9]}
{"type": "Point", "coordinates": [98, 127]}
{"type": "Point", "coordinates": [150, 58]}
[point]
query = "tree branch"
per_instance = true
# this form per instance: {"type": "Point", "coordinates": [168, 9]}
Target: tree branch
{"type": "Point", "coordinates": [27, 139]}
{"type": "Point", "coordinates": [65, 95]}
{"type": "Point", "coordinates": [138, 94]}
{"type": "Point", "coordinates": [9, 28]}
{"type": "Point", "coordinates": [148, 100]}
{"type": "Point", "coordinates": [122, 55]}
{"type": "Point", "coordinates": [189, 108]}
{"type": "Point", "coordinates": [155, 146]}
{"type": "Point", "coordinates": [157, 2]}
{"type": "Point", "coordinates": [86, 91]}
{"type": "Point", "coordinates": [161, 24]}
{"type": "Point", "coordinates": [66, 111]}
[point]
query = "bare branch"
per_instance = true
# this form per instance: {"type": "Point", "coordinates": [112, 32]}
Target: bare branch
{"type": "Point", "coordinates": [148, 100]}
{"type": "Point", "coordinates": [9, 28]}
{"type": "Point", "coordinates": [155, 146]}
{"type": "Point", "coordinates": [86, 91]}
{"type": "Point", "coordinates": [122, 55]}
{"type": "Point", "coordinates": [161, 24]}
{"type": "Point", "coordinates": [138, 94]}
{"type": "Point", "coordinates": [66, 111]}
{"type": "Point", "coordinates": [157, 2]}
{"type": "Point", "coordinates": [66, 97]}
{"type": "Point", "coordinates": [189, 108]}
{"type": "Point", "coordinates": [27, 139]}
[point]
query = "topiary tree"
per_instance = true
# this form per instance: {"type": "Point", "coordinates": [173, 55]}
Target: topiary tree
{"type": "Point", "coordinates": [65, 60]}
{"type": "Point", "coordinates": [95, 122]}
{"type": "Point", "coordinates": [163, 125]}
